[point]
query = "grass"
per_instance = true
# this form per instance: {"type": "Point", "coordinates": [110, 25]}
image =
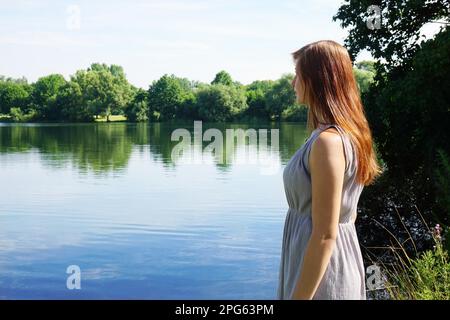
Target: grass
{"type": "Point", "coordinates": [424, 277]}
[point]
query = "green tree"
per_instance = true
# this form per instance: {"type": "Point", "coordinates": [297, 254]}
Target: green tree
{"type": "Point", "coordinates": [411, 117]}
{"type": "Point", "coordinates": [22, 80]}
{"type": "Point", "coordinates": [167, 96]}
{"type": "Point", "coordinates": [296, 112]}
{"type": "Point", "coordinates": [137, 109]}
{"type": "Point", "coordinates": [73, 104]}
{"type": "Point", "coordinates": [280, 96]}
{"type": "Point", "coordinates": [366, 65]}
{"type": "Point", "coordinates": [224, 78]}
{"type": "Point", "coordinates": [256, 93]}
{"type": "Point", "coordinates": [45, 92]}
{"type": "Point", "coordinates": [220, 102]}
{"type": "Point", "coordinates": [398, 37]}
{"type": "Point", "coordinates": [407, 105]}
{"type": "Point", "coordinates": [105, 89]}
{"type": "Point", "coordinates": [364, 75]}
{"type": "Point", "coordinates": [13, 94]}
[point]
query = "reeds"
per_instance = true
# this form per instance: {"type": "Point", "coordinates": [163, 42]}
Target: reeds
{"type": "Point", "coordinates": [424, 276]}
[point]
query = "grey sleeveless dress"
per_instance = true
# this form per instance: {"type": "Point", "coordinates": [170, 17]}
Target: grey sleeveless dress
{"type": "Point", "coordinates": [344, 277]}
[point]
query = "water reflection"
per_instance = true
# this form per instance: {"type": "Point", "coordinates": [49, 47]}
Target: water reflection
{"type": "Point", "coordinates": [109, 198]}
{"type": "Point", "coordinates": [108, 147]}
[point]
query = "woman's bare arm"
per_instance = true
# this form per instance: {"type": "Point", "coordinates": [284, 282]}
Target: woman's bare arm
{"type": "Point", "coordinates": [327, 166]}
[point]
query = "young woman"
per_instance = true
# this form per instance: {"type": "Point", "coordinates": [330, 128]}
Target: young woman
{"type": "Point", "coordinates": [321, 257]}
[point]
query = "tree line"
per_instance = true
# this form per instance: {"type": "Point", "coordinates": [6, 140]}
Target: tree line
{"type": "Point", "coordinates": [103, 90]}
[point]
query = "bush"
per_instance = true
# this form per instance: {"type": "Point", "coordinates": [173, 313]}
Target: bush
{"type": "Point", "coordinates": [295, 113]}
{"type": "Point", "coordinates": [425, 277]}
{"type": "Point", "coordinates": [17, 115]}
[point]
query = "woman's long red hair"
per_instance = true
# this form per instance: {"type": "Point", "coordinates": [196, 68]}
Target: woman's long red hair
{"type": "Point", "coordinates": [332, 95]}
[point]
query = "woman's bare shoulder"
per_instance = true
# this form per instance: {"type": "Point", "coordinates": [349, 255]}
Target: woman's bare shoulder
{"type": "Point", "coordinates": [328, 139]}
{"type": "Point", "coordinates": [326, 148]}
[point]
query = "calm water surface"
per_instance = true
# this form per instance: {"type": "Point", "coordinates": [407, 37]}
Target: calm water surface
{"type": "Point", "coordinates": [110, 199]}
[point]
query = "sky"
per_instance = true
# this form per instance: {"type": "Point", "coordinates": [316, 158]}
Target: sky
{"type": "Point", "coordinates": [251, 39]}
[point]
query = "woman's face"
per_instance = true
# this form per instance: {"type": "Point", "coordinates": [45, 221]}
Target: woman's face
{"type": "Point", "coordinates": [299, 89]}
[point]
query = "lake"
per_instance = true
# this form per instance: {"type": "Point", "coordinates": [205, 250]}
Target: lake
{"type": "Point", "coordinates": [110, 199]}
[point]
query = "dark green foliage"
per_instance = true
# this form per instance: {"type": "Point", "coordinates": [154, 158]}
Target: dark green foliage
{"type": "Point", "coordinates": [220, 102]}
{"type": "Point", "coordinates": [44, 97]}
{"type": "Point", "coordinates": [224, 78]}
{"type": "Point", "coordinates": [407, 106]}
{"type": "Point", "coordinates": [14, 94]}
{"type": "Point", "coordinates": [137, 109]}
{"type": "Point", "coordinates": [398, 37]}
{"type": "Point", "coordinates": [167, 97]}
{"type": "Point", "coordinates": [280, 97]}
